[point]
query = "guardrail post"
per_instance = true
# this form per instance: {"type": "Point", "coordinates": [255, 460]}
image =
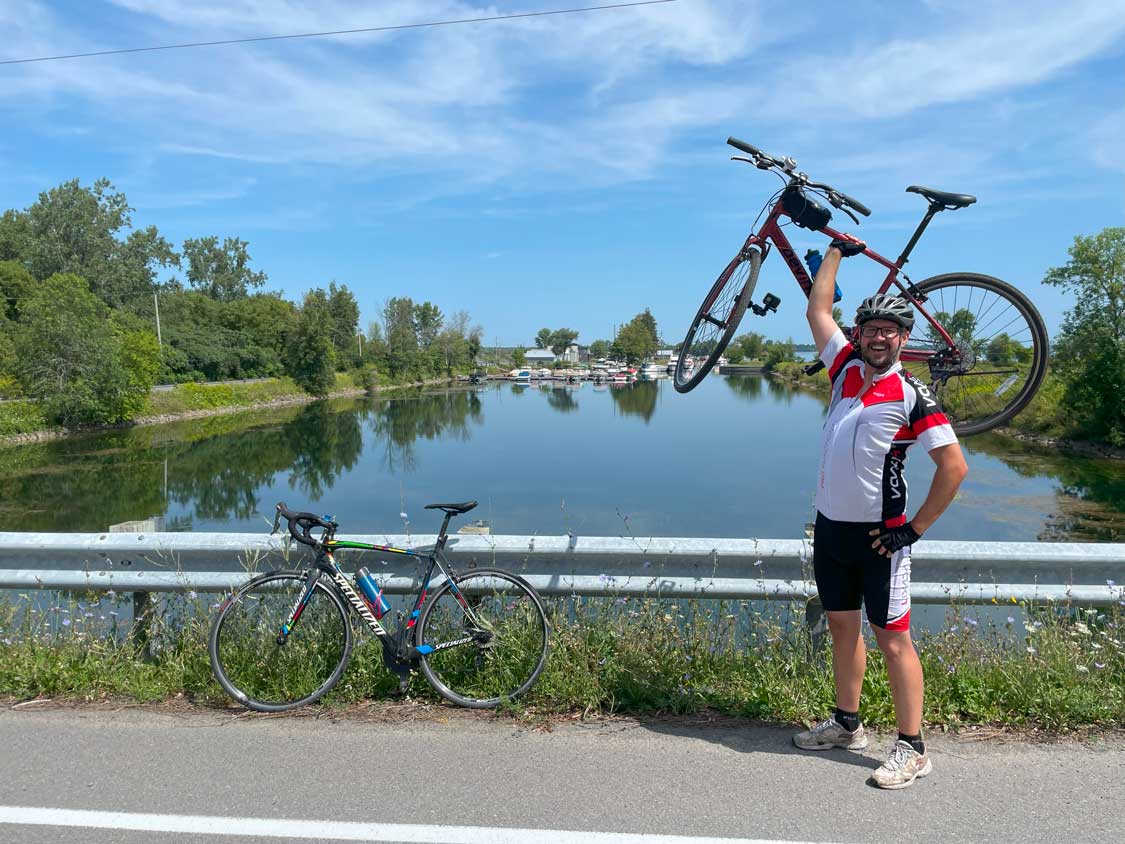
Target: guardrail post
{"type": "Point", "coordinates": [142, 616]}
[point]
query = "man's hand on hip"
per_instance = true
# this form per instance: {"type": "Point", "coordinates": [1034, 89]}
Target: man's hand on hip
{"type": "Point", "coordinates": [888, 540]}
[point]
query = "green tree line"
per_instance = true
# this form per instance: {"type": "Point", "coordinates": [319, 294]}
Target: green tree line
{"type": "Point", "coordinates": [85, 293]}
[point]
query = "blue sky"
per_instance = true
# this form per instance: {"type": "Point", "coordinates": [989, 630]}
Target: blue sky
{"type": "Point", "coordinates": [571, 170]}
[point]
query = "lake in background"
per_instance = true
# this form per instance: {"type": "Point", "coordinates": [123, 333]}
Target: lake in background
{"type": "Point", "coordinates": [737, 457]}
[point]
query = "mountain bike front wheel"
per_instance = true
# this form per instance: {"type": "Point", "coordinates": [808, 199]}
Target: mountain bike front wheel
{"type": "Point", "coordinates": [1000, 352]}
{"type": "Point", "coordinates": [717, 319]}
{"type": "Point", "coordinates": [483, 638]}
{"type": "Point", "coordinates": [260, 672]}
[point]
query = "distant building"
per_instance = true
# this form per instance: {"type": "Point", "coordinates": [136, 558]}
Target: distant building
{"type": "Point", "coordinates": [666, 353]}
{"type": "Point", "coordinates": [539, 356]}
{"type": "Point", "coordinates": [576, 354]}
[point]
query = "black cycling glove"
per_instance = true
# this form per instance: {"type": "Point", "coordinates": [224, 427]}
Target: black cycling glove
{"type": "Point", "coordinates": [893, 539]}
{"type": "Point", "coordinates": [848, 247]}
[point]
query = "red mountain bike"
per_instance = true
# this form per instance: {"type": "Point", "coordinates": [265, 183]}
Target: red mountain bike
{"type": "Point", "coordinates": [982, 340]}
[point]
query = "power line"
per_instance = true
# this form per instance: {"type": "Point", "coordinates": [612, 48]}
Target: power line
{"type": "Point", "coordinates": [339, 32]}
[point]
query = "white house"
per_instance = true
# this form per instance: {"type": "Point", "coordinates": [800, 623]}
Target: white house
{"type": "Point", "coordinates": [539, 356]}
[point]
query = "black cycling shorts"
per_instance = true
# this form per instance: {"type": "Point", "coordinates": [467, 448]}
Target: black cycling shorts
{"type": "Point", "coordinates": [850, 573]}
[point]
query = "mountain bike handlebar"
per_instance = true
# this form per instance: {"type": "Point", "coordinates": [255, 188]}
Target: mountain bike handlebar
{"type": "Point", "coordinates": [301, 523]}
{"type": "Point", "coordinates": [765, 161]}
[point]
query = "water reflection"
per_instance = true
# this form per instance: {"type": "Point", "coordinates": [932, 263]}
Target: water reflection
{"type": "Point", "coordinates": [562, 399]}
{"type": "Point", "coordinates": [369, 459]}
{"type": "Point", "coordinates": [1090, 496]}
{"type": "Point", "coordinates": [399, 422]}
{"type": "Point", "coordinates": [636, 399]}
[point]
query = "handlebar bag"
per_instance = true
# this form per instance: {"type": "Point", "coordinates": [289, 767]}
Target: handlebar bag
{"type": "Point", "coordinates": [805, 211]}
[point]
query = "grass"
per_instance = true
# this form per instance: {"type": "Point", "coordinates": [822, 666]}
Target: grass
{"type": "Point", "coordinates": [1060, 669]}
{"type": "Point", "coordinates": [187, 397]}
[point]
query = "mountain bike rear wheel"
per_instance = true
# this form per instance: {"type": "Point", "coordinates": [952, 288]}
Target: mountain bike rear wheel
{"type": "Point", "coordinates": [499, 655]}
{"type": "Point", "coordinates": [1001, 349]}
{"type": "Point", "coordinates": [717, 319]}
{"type": "Point", "coordinates": [258, 672]}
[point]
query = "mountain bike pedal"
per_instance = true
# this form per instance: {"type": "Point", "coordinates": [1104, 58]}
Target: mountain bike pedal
{"type": "Point", "coordinates": [769, 303]}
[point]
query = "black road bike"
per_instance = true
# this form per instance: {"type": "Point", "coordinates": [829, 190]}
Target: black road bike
{"type": "Point", "coordinates": [284, 638]}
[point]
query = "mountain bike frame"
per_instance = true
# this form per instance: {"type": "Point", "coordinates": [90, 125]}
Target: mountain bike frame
{"type": "Point", "coordinates": [400, 654]}
{"type": "Point", "coordinates": [771, 232]}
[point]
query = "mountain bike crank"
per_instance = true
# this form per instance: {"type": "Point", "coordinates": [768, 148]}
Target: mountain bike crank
{"type": "Point", "coordinates": [769, 303]}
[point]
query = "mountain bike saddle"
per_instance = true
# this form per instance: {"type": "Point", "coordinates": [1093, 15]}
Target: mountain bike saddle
{"type": "Point", "coordinates": [463, 507]}
{"type": "Point", "coordinates": [949, 200]}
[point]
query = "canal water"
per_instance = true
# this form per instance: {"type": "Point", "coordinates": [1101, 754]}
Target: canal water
{"type": "Point", "coordinates": [736, 457]}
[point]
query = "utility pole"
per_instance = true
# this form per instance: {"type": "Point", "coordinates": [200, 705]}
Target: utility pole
{"type": "Point", "coordinates": [159, 341]}
{"type": "Point", "coordinates": [359, 338]}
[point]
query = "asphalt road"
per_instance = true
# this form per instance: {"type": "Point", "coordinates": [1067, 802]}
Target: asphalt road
{"type": "Point", "coordinates": [141, 775]}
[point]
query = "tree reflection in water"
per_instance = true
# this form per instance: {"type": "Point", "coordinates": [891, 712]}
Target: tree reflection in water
{"type": "Point", "coordinates": [399, 422]}
{"type": "Point", "coordinates": [562, 399]}
{"type": "Point", "coordinates": [745, 386]}
{"type": "Point", "coordinates": [636, 399]}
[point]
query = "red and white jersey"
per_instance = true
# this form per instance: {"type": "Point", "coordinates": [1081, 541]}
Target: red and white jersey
{"type": "Point", "coordinates": [866, 436]}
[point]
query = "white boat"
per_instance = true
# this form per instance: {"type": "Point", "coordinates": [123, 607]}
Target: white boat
{"type": "Point", "coordinates": [652, 369]}
{"type": "Point", "coordinates": [521, 374]}
{"type": "Point", "coordinates": [544, 373]}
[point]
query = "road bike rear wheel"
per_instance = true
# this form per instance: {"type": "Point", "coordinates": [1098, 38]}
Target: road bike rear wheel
{"type": "Point", "coordinates": [258, 672]}
{"type": "Point", "coordinates": [498, 656]}
{"type": "Point", "coordinates": [1001, 349]}
{"type": "Point", "coordinates": [717, 319]}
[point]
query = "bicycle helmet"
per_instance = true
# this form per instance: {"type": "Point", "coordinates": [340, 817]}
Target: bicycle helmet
{"type": "Point", "coordinates": [885, 306]}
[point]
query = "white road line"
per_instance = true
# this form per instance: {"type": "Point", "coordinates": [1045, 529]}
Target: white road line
{"type": "Point", "coordinates": [341, 830]}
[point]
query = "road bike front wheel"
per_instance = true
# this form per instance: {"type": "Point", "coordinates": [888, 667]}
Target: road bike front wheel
{"type": "Point", "coordinates": [263, 674]}
{"type": "Point", "coordinates": [717, 319]}
{"type": "Point", "coordinates": [1000, 354]}
{"type": "Point", "coordinates": [483, 638]}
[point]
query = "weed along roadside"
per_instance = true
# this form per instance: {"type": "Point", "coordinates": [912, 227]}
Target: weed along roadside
{"type": "Point", "coordinates": [1047, 666]}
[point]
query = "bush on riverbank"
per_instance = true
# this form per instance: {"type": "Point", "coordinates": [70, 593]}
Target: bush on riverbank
{"type": "Point", "coordinates": [21, 417]}
{"type": "Point", "coordinates": [638, 656]}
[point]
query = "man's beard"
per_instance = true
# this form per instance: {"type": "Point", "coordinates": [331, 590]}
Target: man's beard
{"type": "Point", "coordinates": [880, 361]}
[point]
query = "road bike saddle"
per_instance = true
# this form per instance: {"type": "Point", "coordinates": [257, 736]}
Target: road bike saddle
{"type": "Point", "coordinates": [949, 200]}
{"type": "Point", "coordinates": [463, 507]}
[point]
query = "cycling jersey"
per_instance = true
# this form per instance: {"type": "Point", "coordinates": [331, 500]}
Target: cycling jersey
{"type": "Point", "coordinates": [866, 437]}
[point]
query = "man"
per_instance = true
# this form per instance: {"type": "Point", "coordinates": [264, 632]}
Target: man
{"type": "Point", "coordinates": [861, 545]}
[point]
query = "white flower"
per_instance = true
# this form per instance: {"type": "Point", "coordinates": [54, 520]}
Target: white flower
{"type": "Point", "coordinates": [1082, 669]}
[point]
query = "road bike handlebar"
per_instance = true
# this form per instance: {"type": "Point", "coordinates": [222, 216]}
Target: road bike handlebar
{"type": "Point", "coordinates": [300, 525]}
{"type": "Point", "coordinates": [837, 197]}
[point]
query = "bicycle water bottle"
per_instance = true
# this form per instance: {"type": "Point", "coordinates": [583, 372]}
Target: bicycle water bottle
{"type": "Point", "coordinates": [813, 259]}
{"type": "Point", "coordinates": [372, 593]}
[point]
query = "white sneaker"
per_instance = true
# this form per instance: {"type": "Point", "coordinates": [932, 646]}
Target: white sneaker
{"type": "Point", "coordinates": [829, 734]}
{"type": "Point", "coordinates": [904, 765]}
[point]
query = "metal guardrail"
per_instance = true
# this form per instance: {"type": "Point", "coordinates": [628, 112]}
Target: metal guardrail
{"type": "Point", "coordinates": [964, 572]}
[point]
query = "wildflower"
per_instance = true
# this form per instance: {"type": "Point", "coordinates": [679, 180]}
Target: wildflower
{"type": "Point", "coordinates": [192, 594]}
{"type": "Point", "coordinates": [110, 593]}
{"type": "Point", "coordinates": [1011, 620]}
{"type": "Point", "coordinates": [1032, 651]}
{"type": "Point", "coordinates": [971, 621]}
{"type": "Point", "coordinates": [7, 641]}
{"type": "Point", "coordinates": [1082, 669]}
{"type": "Point", "coordinates": [66, 622]}
{"type": "Point", "coordinates": [758, 563]}
{"type": "Point", "coordinates": [950, 669]}
{"type": "Point", "coordinates": [1099, 665]}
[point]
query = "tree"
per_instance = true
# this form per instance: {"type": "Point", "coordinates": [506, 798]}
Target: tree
{"type": "Point", "coordinates": [519, 356]}
{"type": "Point", "coordinates": [779, 351]}
{"type": "Point", "coordinates": [599, 349]}
{"type": "Point", "coordinates": [543, 338]}
{"type": "Point", "coordinates": [1090, 351]}
{"type": "Point", "coordinates": [221, 272]}
{"type": "Point", "coordinates": [345, 319]}
{"type": "Point", "coordinates": [560, 340]}
{"type": "Point", "coordinates": [78, 230]}
{"type": "Point", "coordinates": [402, 338]}
{"type": "Point", "coordinates": [16, 285]}
{"type": "Point", "coordinates": [752, 346]}
{"type": "Point", "coordinates": [637, 340]}
{"type": "Point", "coordinates": [428, 320]}
{"type": "Point", "coordinates": [312, 357]}
{"type": "Point", "coordinates": [84, 366]}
